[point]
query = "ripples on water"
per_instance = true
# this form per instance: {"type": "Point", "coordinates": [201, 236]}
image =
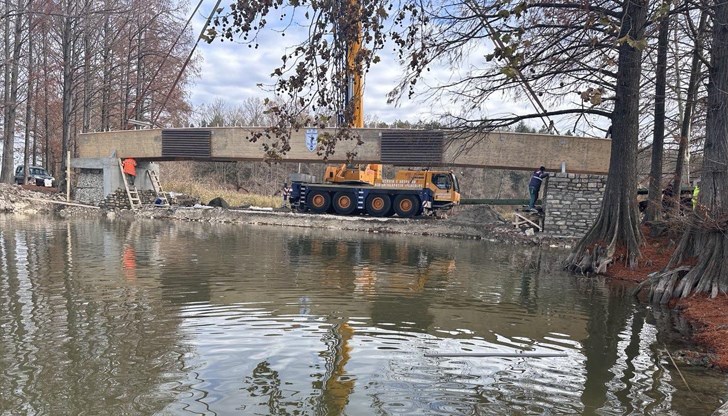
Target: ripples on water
{"type": "Point", "coordinates": [104, 317]}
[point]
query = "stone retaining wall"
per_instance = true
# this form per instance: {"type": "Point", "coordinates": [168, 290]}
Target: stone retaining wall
{"type": "Point", "coordinates": [572, 203]}
{"type": "Point", "coordinates": [120, 200]}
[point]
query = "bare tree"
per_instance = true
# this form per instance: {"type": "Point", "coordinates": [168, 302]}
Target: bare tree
{"type": "Point", "coordinates": [618, 223]}
{"type": "Point", "coordinates": [654, 207]}
{"type": "Point", "coordinates": [68, 22]}
{"type": "Point", "coordinates": [7, 159]}
{"type": "Point", "coordinates": [695, 74]}
{"type": "Point", "coordinates": [93, 65]}
{"type": "Point", "coordinates": [12, 67]}
{"type": "Point", "coordinates": [706, 236]}
{"type": "Point", "coordinates": [29, 97]}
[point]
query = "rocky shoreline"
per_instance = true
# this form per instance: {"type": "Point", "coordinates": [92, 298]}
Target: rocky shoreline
{"type": "Point", "coordinates": [465, 222]}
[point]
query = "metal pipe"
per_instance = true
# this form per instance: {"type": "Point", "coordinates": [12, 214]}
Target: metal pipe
{"type": "Point", "coordinates": [498, 354]}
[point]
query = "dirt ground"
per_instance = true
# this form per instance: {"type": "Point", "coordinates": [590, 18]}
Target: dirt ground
{"type": "Point", "coordinates": [710, 323]}
{"type": "Point", "coordinates": [708, 317]}
{"type": "Point", "coordinates": [656, 253]}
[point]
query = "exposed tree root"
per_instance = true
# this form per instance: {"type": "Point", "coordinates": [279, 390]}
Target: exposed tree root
{"type": "Point", "coordinates": [592, 256]}
{"type": "Point", "coordinates": [709, 275]}
{"type": "Point", "coordinates": [594, 261]}
{"type": "Point", "coordinates": [662, 284]}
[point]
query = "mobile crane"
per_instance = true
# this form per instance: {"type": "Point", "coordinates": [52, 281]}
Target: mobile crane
{"type": "Point", "coordinates": [410, 193]}
{"type": "Point", "coordinates": [356, 188]}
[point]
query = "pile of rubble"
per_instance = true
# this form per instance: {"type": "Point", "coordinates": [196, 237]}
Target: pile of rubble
{"type": "Point", "coordinates": [14, 198]}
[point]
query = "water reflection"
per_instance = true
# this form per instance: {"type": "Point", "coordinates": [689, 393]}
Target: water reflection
{"type": "Point", "coordinates": [173, 318]}
{"type": "Point", "coordinates": [70, 333]}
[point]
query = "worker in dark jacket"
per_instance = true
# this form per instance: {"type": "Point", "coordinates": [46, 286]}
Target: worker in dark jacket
{"type": "Point", "coordinates": [535, 185]}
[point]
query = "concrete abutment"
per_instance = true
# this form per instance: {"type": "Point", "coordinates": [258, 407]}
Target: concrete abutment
{"type": "Point", "coordinates": [99, 181]}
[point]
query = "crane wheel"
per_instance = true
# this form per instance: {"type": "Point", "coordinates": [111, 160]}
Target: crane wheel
{"type": "Point", "coordinates": [379, 205]}
{"type": "Point", "coordinates": [344, 203]}
{"type": "Point", "coordinates": [318, 201]}
{"type": "Point", "coordinates": [406, 206]}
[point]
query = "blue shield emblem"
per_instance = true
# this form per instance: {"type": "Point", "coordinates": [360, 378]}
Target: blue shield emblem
{"type": "Point", "coordinates": [311, 139]}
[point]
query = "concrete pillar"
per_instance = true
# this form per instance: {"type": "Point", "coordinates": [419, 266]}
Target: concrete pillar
{"type": "Point", "coordinates": [113, 177]}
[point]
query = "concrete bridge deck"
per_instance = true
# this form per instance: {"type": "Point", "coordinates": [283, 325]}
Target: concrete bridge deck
{"type": "Point", "coordinates": [501, 150]}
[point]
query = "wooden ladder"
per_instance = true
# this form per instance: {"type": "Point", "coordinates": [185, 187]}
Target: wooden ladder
{"type": "Point", "coordinates": [161, 195]}
{"type": "Point", "coordinates": [131, 192]}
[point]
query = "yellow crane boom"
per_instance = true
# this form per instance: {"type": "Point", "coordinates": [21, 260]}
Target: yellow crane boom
{"type": "Point", "coordinates": [355, 89]}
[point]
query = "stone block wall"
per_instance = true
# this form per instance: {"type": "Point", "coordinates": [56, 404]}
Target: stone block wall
{"type": "Point", "coordinates": [119, 199]}
{"type": "Point", "coordinates": [90, 186]}
{"type": "Point", "coordinates": [572, 203]}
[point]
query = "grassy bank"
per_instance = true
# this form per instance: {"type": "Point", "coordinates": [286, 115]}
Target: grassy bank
{"type": "Point", "coordinates": [206, 192]}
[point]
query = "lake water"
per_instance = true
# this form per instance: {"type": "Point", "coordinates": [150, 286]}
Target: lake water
{"type": "Point", "coordinates": [139, 318]}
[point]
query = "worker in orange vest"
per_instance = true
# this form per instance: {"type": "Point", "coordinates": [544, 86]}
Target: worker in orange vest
{"type": "Point", "coordinates": [129, 167]}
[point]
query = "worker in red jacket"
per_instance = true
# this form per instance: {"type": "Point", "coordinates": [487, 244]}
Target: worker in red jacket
{"type": "Point", "coordinates": [129, 168]}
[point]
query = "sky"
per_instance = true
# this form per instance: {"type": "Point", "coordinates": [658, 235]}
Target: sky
{"type": "Point", "coordinates": [233, 72]}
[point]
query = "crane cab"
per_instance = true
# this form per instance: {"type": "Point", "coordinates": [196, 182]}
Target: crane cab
{"type": "Point", "coordinates": [443, 185]}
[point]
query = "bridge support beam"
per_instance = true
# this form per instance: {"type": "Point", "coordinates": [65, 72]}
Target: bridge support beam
{"type": "Point", "coordinates": [495, 150]}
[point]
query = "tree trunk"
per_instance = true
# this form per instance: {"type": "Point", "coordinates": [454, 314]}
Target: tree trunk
{"type": "Point", "coordinates": [106, 69]}
{"type": "Point", "coordinates": [29, 100]}
{"type": "Point", "coordinates": [654, 207]}
{"type": "Point", "coordinates": [35, 127]}
{"type": "Point", "coordinates": [618, 222]}
{"type": "Point", "coordinates": [68, 60]}
{"type": "Point", "coordinates": [12, 106]}
{"type": "Point", "coordinates": [87, 81]}
{"type": "Point", "coordinates": [33, 86]}
{"type": "Point", "coordinates": [706, 238]}
{"type": "Point", "coordinates": [6, 170]}
{"type": "Point", "coordinates": [47, 163]}
{"type": "Point", "coordinates": [695, 72]}
{"type": "Point", "coordinates": [126, 93]}
{"type": "Point", "coordinates": [139, 94]}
